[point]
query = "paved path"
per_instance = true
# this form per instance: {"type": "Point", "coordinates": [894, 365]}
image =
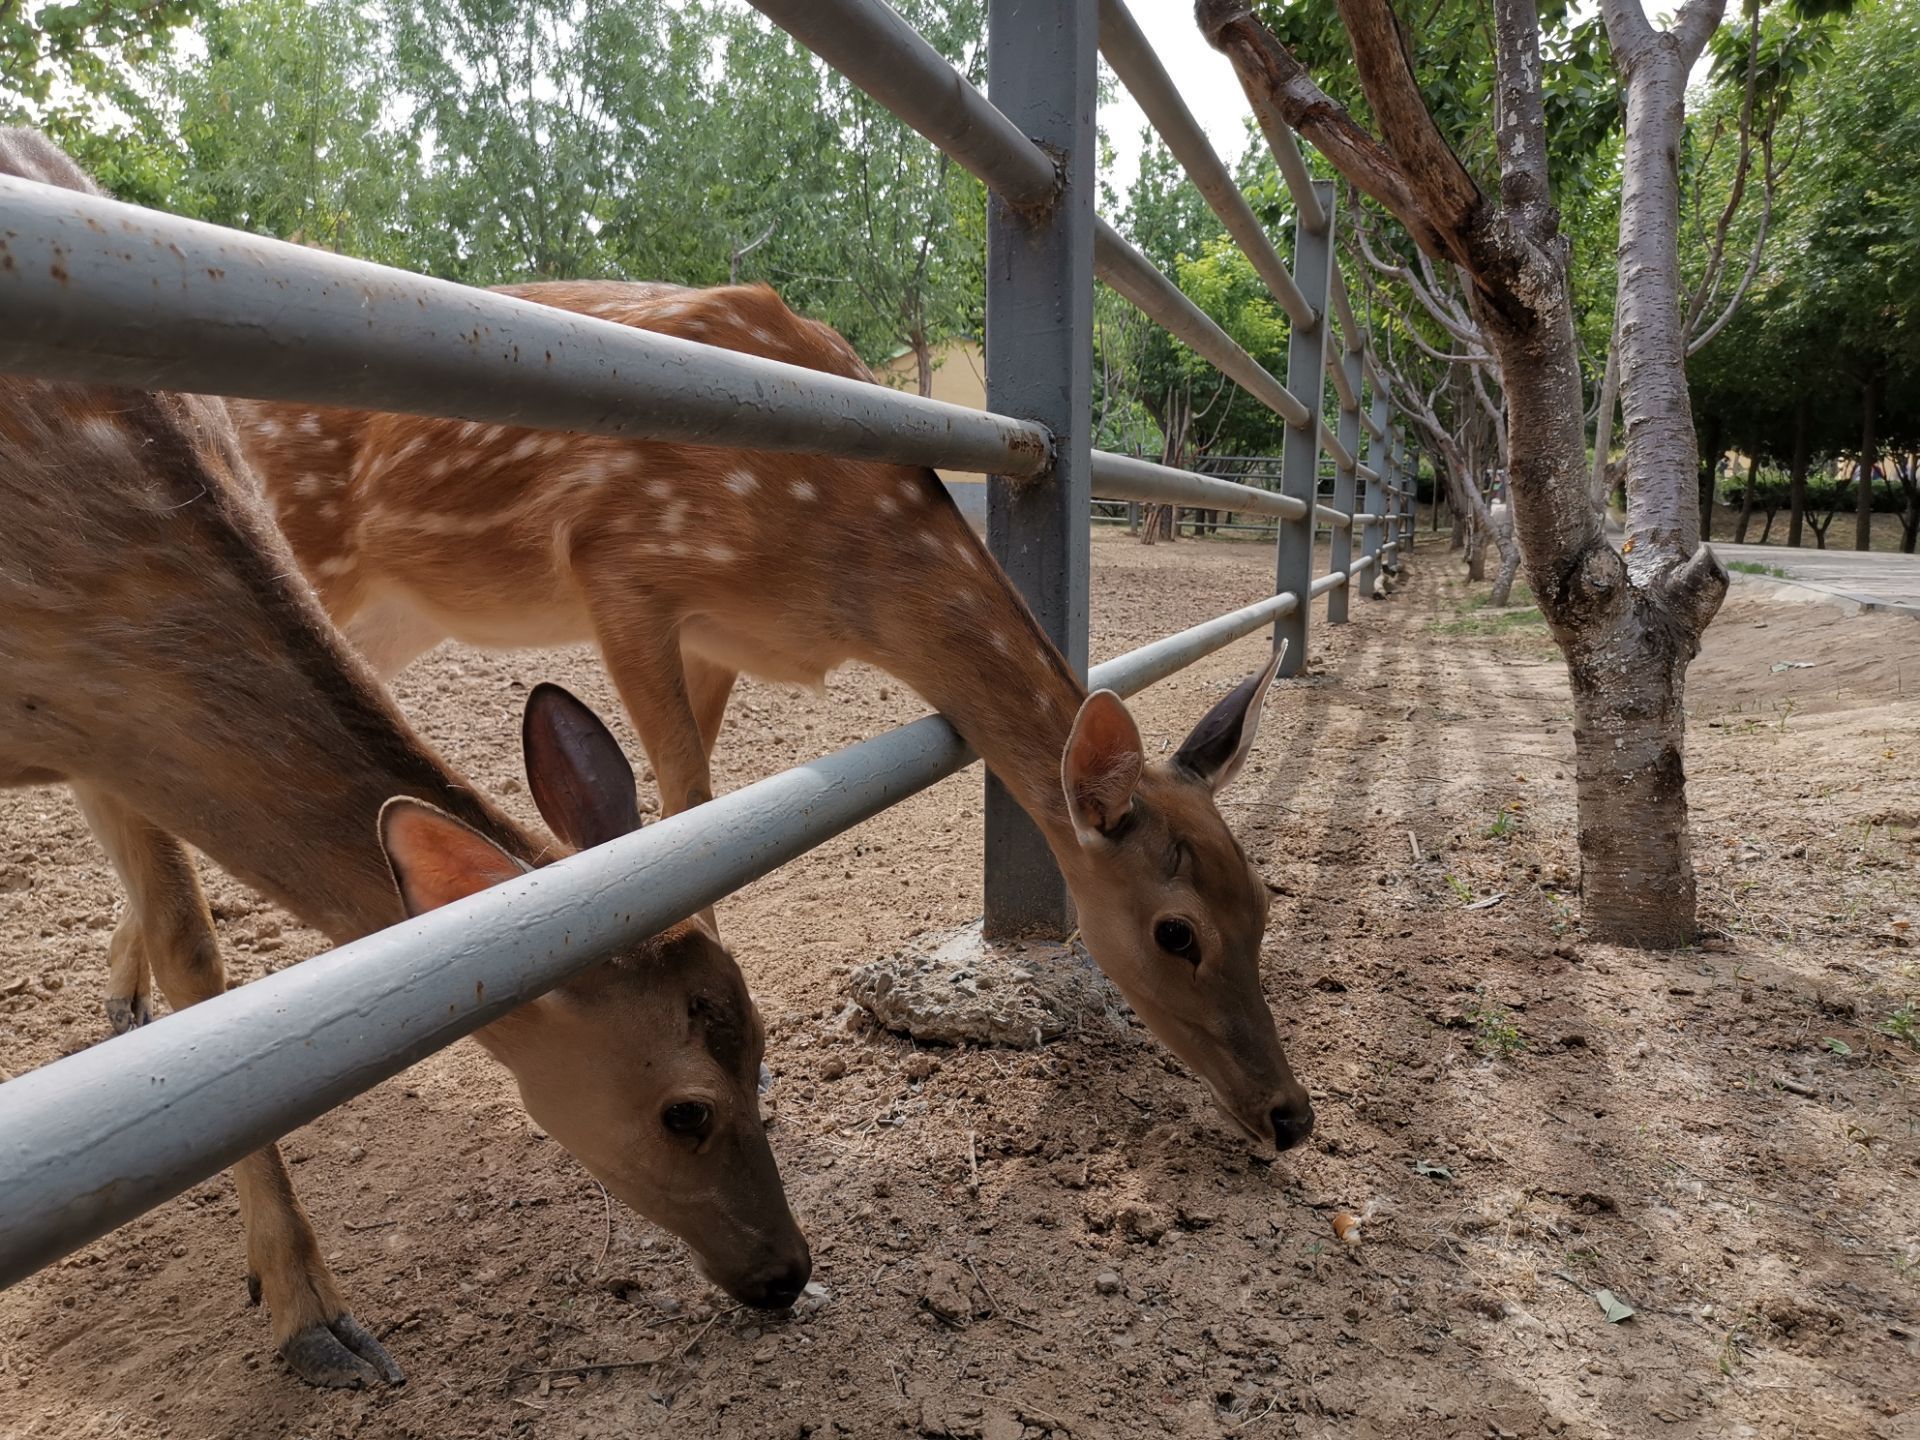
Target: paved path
{"type": "Point", "coordinates": [1871, 579]}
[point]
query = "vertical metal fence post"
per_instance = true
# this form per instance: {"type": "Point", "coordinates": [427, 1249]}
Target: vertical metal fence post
{"type": "Point", "coordinates": [1340, 547]}
{"type": "Point", "coordinates": [1300, 453]}
{"type": "Point", "coordinates": [1413, 496]}
{"type": "Point", "coordinates": [1396, 503]}
{"type": "Point", "coordinates": [1041, 72]}
{"type": "Point", "coordinates": [1374, 503]}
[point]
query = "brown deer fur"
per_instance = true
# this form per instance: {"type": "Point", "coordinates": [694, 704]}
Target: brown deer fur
{"type": "Point", "coordinates": [161, 653]}
{"type": "Point", "coordinates": [690, 563]}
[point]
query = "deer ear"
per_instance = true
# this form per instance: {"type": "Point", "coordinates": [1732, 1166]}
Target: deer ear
{"type": "Point", "coordinates": [1218, 746]}
{"type": "Point", "coordinates": [1101, 766]}
{"type": "Point", "coordinates": [576, 770]}
{"type": "Point", "coordinates": [435, 859]}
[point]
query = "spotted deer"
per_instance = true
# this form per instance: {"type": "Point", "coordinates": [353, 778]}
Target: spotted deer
{"type": "Point", "coordinates": [689, 564]}
{"type": "Point", "coordinates": [160, 654]}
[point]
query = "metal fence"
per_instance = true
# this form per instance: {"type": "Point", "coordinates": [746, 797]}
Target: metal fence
{"type": "Point", "coordinates": [109, 293]}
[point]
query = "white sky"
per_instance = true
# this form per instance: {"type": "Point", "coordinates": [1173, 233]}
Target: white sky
{"type": "Point", "coordinates": [1204, 78]}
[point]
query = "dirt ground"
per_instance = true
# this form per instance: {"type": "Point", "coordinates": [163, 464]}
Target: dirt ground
{"type": "Point", "coordinates": [1521, 1120]}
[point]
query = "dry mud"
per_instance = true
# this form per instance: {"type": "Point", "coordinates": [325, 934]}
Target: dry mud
{"type": "Point", "coordinates": [1067, 1241]}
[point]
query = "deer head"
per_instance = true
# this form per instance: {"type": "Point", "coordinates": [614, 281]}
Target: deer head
{"type": "Point", "coordinates": [1171, 906]}
{"type": "Point", "coordinates": [646, 1066]}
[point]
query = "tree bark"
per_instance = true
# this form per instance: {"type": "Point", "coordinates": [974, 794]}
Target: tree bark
{"type": "Point", "coordinates": [1797, 486]}
{"type": "Point", "coordinates": [1709, 476]}
{"type": "Point", "coordinates": [1597, 491]}
{"type": "Point", "coordinates": [1863, 500]}
{"type": "Point", "coordinates": [1746, 501]}
{"type": "Point", "coordinates": [1627, 625]}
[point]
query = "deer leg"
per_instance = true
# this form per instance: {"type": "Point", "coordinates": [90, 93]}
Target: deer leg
{"type": "Point", "coordinates": [653, 678]}
{"type": "Point", "coordinates": [169, 926]}
{"type": "Point", "coordinates": [708, 688]}
{"type": "Point", "coordinates": [643, 655]}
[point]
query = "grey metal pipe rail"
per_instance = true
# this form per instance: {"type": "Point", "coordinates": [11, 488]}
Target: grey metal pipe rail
{"type": "Point", "coordinates": [873, 46]}
{"type": "Point", "coordinates": [1351, 337]}
{"type": "Point", "coordinates": [1122, 477]}
{"type": "Point", "coordinates": [1330, 442]}
{"type": "Point", "coordinates": [115, 294]}
{"type": "Point", "coordinates": [92, 1140]}
{"type": "Point", "coordinates": [1337, 369]}
{"type": "Point", "coordinates": [1332, 580]}
{"type": "Point", "coordinates": [1132, 275]}
{"type": "Point", "coordinates": [1293, 166]}
{"type": "Point", "coordinates": [1140, 70]}
{"type": "Point", "coordinates": [1338, 519]}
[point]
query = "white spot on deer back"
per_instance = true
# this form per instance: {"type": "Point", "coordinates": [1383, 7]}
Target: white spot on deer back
{"type": "Point", "coordinates": [309, 424]}
{"type": "Point", "coordinates": [742, 482]}
{"type": "Point", "coordinates": [103, 433]}
{"type": "Point", "coordinates": [803, 490]}
{"type": "Point", "coordinates": [718, 554]}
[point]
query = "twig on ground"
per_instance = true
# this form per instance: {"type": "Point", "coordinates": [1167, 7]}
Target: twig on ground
{"type": "Point", "coordinates": [606, 1242]}
{"type": "Point", "coordinates": [1413, 844]}
{"type": "Point", "coordinates": [973, 1172]}
{"type": "Point", "coordinates": [370, 1225]}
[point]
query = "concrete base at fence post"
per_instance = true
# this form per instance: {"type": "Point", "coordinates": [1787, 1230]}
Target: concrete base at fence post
{"type": "Point", "coordinates": [955, 987]}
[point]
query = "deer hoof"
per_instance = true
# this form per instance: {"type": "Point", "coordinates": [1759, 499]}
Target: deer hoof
{"type": "Point", "coordinates": [128, 1014]}
{"type": "Point", "coordinates": [340, 1355]}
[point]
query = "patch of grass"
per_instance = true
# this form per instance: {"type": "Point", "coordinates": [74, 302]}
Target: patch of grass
{"type": "Point", "coordinates": [1494, 1031]}
{"type": "Point", "coordinates": [1903, 1025]}
{"type": "Point", "coordinates": [1504, 824]}
{"type": "Point", "coordinates": [1754, 567]}
{"type": "Point", "coordinates": [1460, 888]}
{"type": "Point", "coordinates": [1500, 622]}
{"type": "Point", "coordinates": [1519, 595]}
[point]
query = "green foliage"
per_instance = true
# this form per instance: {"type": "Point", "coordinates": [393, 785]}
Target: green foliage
{"type": "Point", "coordinates": [1494, 1029]}
{"type": "Point", "coordinates": [1837, 303]}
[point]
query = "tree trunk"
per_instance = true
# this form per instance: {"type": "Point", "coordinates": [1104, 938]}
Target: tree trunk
{"type": "Point", "coordinates": [1746, 501]}
{"type": "Point", "coordinates": [1628, 626]}
{"type": "Point", "coordinates": [1797, 487]}
{"type": "Point", "coordinates": [1863, 502]}
{"type": "Point", "coordinates": [1509, 562]}
{"type": "Point", "coordinates": [1603, 431]}
{"type": "Point", "coordinates": [1908, 469]}
{"type": "Point", "coordinates": [1709, 461]}
{"type": "Point", "coordinates": [1477, 553]}
{"type": "Point", "coordinates": [922, 362]}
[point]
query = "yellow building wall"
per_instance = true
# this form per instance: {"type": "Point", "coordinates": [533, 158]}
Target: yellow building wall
{"type": "Point", "coordinates": [959, 378]}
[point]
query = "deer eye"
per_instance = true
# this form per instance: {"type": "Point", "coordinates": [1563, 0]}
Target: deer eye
{"type": "Point", "coordinates": [1176, 937]}
{"type": "Point", "coordinates": [688, 1117]}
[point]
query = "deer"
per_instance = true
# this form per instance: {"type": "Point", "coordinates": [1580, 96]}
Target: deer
{"type": "Point", "coordinates": [161, 655]}
{"type": "Point", "coordinates": [690, 564]}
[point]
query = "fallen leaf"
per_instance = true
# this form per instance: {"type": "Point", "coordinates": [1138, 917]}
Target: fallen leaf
{"type": "Point", "coordinates": [1489, 902]}
{"type": "Point", "coordinates": [1780, 665]}
{"type": "Point", "coordinates": [1612, 1306]}
{"type": "Point", "coordinates": [1431, 1171]}
{"type": "Point", "coordinates": [1837, 1046]}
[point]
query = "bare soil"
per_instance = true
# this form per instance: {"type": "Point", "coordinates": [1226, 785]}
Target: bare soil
{"type": "Point", "coordinates": [1068, 1241]}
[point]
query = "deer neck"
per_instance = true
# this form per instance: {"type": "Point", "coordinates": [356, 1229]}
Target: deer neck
{"type": "Point", "coordinates": [959, 634]}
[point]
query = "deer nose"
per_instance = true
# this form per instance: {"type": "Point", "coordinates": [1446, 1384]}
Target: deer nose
{"type": "Point", "coordinates": [1292, 1123]}
{"type": "Point", "coordinates": [778, 1288]}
